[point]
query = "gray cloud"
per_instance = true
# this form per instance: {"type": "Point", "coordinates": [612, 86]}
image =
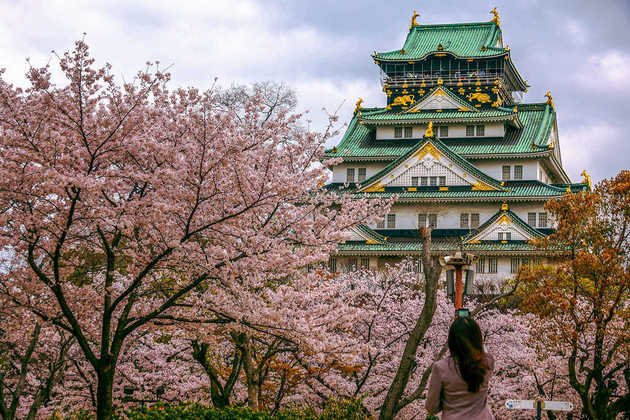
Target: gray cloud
{"type": "Point", "coordinates": [575, 48]}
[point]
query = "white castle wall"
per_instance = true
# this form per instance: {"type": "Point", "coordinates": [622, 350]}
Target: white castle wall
{"type": "Point", "coordinates": [454, 130]}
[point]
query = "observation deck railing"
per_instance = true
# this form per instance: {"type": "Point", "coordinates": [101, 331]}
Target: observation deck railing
{"type": "Point", "coordinates": [416, 79]}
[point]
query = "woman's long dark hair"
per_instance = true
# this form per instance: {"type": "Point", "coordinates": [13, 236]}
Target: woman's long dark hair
{"type": "Point", "coordinates": [466, 346]}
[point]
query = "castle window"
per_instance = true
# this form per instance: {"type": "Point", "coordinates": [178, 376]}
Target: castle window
{"type": "Point", "coordinates": [332, 265]}
{"type": "Point", "coordinates": [365, 263]}
{"type": "Point", "coordinates": [481, 129]}
{"type": "Point", "coordinates": [408, 132]}
{"type": "Point", "coordinates": [350, 175]}
{"type": "Point", "coordinates": [352, 264]}
{"type": "Point", "coordinates": [505, 236]}
{"type": "Point", "coordinates": [518, 171]}
{"type": "Point", "coordinates": [442, 180]}
{"type": "Point", "coordinates": [515, 264]}
{"type": "Point", "coordinates": [474, 220]}
{"type": "Point", "coordinates": [463, 220]}
{"type": "Point", "coordinates": [492, 265]}
{"type": "Point", "coordinates": [506, 172]}
{"type": "Point", "coordinates": [433, 181]}
{"type": "Point", "coordinates": [397, 132]}
{"type": "Point", "coordinates": [531, 219]}
{"type": "Point", "coordinates": [542, 220]}
{"type": "Point", "coordinates": [443, 131]}
{"type": "Point", "coordinates": [470, 130]}
{"type": "Point", "coordinates": [391, 221]}
{"type": "Point", "coordinates": [424, 181]}
{"type": "Point", "coordinates": [431, 218]}
{"type": "Point", "coordinates": [481, 265]}
{"type": "Point", "coordinates": [414, 181]}
{"type": "Point", "coordinates": [362, 172]}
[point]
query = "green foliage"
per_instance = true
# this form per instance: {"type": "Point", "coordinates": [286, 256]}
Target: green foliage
{"type": "Point", "coordinates": [335, 409]}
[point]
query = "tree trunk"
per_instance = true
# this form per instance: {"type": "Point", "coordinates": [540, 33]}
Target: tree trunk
{"type": "Point", "coordinates": [104, 392]}
{"type": "Point", "coordinates": [244, 345]}
{"type": "Point", "coordinates": [432, 271]}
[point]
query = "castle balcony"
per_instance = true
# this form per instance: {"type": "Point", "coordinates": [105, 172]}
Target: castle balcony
{"type": "Point", "coordinates": [410, 79]}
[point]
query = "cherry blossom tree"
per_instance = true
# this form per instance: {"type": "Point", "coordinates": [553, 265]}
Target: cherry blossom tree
{"type": "Point", "coordinates": [125, 206]}
{"type": "Point", "coordinates": [584, 300]}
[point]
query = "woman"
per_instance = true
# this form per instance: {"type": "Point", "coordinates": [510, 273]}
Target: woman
{"type": "Point", "coordinates": [459, 384]}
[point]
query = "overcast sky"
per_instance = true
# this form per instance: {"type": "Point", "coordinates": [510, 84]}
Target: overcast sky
{"type": "Point", "coordinates": [578, 49]}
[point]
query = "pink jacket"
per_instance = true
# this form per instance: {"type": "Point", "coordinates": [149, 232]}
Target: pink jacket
{"type": "Point", "coordinates": [448, 392]}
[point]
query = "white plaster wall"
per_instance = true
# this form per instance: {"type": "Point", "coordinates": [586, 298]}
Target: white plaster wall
{"type": "Point", "coordinates": [454, 130]}
{"type": "Point", "coordinates": [449, 214]}
{"type": "Point", "coordinates": [494, 168]}
{"type": "Point", "coordinates": [339, 171]}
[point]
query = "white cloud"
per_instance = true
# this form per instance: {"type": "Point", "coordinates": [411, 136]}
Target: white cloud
{"type": "Point", "coordinates": [336, 95]}
{"type": "Point", "coordinates": [610, 68]}
{"type": "Point", "coordinates": [576, 31]}
{"type": "Point", "coordinates": [587, 147]}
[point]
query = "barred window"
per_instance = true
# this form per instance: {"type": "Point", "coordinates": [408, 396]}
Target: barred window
{"type": "Point", "coordinates": [352, 264]}
{"type": "Point", "coordinates": [381, 224]}
{"type": "Point", "coordinates": [417, 265]}
{"type": "Point", "coordinates": [474, 220]}
{"type": "Point", "coordinates": [481, 265]}
{"type": "Point", "coordinates": [531, 219]}
{"type": "Point", "coordinates": [442, 180]}
{"type": "Point", "coordinates": [542, 220]}
{"type": "Point", "coordinates": [433, 181]}
{"type": "Point", "coordinates": [365, 263]}
{"type": "Point", "coordinates": [492, 265]}
{"type": "Point", "coordinates": [422, 220]}
{"type": "Point", "coordinates": [433, 221]}
{"type": "Point", "coordinates": [518, 171]}
{"type": "Point", "coordinates": [414, 181]}
{"type": "Point", "coordinates": [470, 130]}
{"type": "Point", "coordinates": [361, 174]}
{"type": "Point", "coordinates": [397, 132]}
{"type": "Point", "coordinates": [424, 180]}
{"type": "Point", "coordinates": [408, 132]}
{"type": "Point", "coordinates": [350, 175]}
{"type": "Point", "coordinates": [391, 221]}
{"type": "Point", "coordinates": [508, 236]}
{"type": "Point", "coordinates": [506, 172]}
{"type": "Point", "coordinates": [515, 264]}
{"type": "Point", "coordinates": [500, 236]}
{"type": "Point", "coordinates": [463, 220]}
{"type": "Point", "coordinates": [481, 129]}
{"type": "Point", "coordinates": [443, 131]}
{"type": "Point", "coordinates": [332, 265]}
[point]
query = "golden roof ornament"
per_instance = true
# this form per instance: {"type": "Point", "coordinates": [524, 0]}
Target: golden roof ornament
{"type": "Point", "coordinates": [413, 19]}
{"type": "Point", "coordinates": [429, 131]}
{"type": "Point", "coordinates": [358, 106]}
{"type": "Point", "coordinates": [496, 17]}
{"type": "Point", "coordinates": [549, 99]}
{"type": "Point", "coordinates": [505, 207]}
{"type": "Point", "coordinates": [587, 179]}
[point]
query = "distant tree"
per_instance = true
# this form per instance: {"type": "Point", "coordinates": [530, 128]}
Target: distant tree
{"type": "Point", "coordinates": [127, 206]}
{"type": "Point", "coordinates": [584, 299]}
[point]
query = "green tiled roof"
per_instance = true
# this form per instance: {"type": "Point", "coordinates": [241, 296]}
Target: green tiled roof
{"type": "Point", "coordinates": [398, 248]}
{"type": "Point", "coordinates": [464, 40]}
{"type": "Point", "coordinates": [512, 190]}
{"type": "Point", "coordinates": [513, 217]}
{"type": "Point", "coordinates": [383, 116]}
{"type": "Point", "coordinates": [372, 234]}
{"type": "Point", "coordinates": [536, 119]}
{"type": "Point", "coordinates": [458, 160]}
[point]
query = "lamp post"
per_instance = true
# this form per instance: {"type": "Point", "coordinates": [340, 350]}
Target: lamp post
{"type": "Point", "coordinates": [457, 262]}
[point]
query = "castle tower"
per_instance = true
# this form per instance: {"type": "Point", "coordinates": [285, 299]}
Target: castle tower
{"type": "Point", "coordinates": [459, 150]}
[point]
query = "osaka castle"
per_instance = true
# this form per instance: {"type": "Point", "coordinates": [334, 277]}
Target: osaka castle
{"type": "Point", "coordinates": [459, 149]}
